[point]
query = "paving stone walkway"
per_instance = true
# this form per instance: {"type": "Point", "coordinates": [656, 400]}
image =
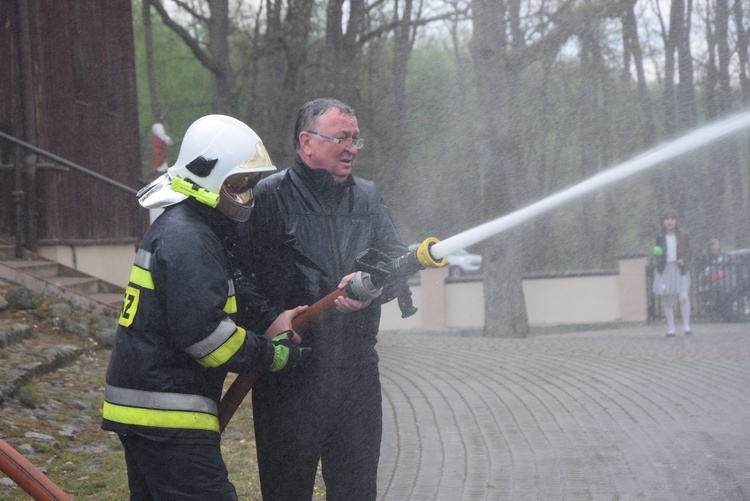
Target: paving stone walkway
{"type": "Point", "coordinates": [611, 415]}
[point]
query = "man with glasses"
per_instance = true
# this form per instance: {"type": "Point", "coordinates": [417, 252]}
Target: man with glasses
{"type": "Point", "coordinates": [309, 223]}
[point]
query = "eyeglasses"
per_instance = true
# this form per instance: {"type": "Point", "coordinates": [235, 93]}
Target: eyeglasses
{"type": "Point", "coordinates": [358, 143]}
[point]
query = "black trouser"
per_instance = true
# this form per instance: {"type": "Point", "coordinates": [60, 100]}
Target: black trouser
{"type": "Point", "coordinates": [166, 471]}
{"type": "Point", "coordinates": [336, 418]}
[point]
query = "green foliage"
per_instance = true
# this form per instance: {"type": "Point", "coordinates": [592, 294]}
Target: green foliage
{"type": "Point", "coordinates": [183, 84]}
{"type": "Point", "coordinates": [573, 117]}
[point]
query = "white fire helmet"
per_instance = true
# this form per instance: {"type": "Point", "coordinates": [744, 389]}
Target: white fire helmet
{"type": "Point", "coordinates": [220, 161]}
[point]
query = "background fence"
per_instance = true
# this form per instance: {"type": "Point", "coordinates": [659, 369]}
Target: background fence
{"type": "Point", "coordinates": [720, 288]}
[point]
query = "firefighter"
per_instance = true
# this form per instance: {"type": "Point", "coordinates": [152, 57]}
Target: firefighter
{"type": "Point", "coordinates": [177, 338]}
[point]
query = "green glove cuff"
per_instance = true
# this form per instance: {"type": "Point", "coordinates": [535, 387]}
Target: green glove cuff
{"type": "Point", "coordinates": [658, 250]}
{"type": "Point", "coordinates": [281, 344]}
{"type": "Point", "coordinates": [280, 358]}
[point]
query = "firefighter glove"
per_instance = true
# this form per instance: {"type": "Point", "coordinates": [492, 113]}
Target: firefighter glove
{"type": "Point", "coordinates": [287, 355]}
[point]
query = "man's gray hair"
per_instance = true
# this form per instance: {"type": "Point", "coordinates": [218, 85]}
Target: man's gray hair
{"type": "Point", "coordinates": [308, 114]}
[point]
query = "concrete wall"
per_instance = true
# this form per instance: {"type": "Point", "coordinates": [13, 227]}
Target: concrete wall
{"type": "Point", "coordinates": [551, 300]}
{"type": "Point", "coordinates": [111, 262]}
{"type": "Point", "coordinates": [572, 299]}
{"type": "Point", "coordinates": [441, 304]}
{"type": "Point", "coordinates": [633, 287]}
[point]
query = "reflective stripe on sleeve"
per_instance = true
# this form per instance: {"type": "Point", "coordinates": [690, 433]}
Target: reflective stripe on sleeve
{"type": "Point", "coordinates": [231, 306]}
{"type": "Point", "coordinates": [141, 272]}
{"type": "Point", "coordinates": [219, 346]}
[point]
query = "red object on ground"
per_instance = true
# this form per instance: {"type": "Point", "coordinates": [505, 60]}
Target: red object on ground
{"type": "Point", "coordinates": [30, 478]}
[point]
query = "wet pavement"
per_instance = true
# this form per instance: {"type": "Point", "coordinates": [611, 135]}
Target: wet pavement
{"type": "Point", "coordinates": [613, 415]}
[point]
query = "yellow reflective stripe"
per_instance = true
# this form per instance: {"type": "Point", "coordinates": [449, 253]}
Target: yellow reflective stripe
{"type": "Point", "coordinates": [141, 277]}
{"type": "Point", "coordinates": [141, 272]}
{"type": "Point", "coordinates": [160, 418]}
{"type": "Point", "coordinates": [213, 341]}
{"type": "Point", "coordinates": [231, 306]}
{"type": "Point", "coordinates": [226, 351]}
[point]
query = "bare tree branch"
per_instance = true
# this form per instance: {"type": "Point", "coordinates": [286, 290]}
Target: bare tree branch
{"type": "Point", "coordinates": [193, 44]}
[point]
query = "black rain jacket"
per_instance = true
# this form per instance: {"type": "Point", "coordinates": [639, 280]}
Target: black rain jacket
{"type": "Point", "coordinates": [302, 238]}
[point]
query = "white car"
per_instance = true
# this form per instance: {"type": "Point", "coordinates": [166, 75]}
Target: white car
{"type": "Point", "coordinates": [460, 262]}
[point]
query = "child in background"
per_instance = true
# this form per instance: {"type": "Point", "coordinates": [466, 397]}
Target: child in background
{"type": "Point", "coordinates": [672, 278]}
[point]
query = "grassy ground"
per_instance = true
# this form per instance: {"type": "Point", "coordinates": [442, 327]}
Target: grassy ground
{"type": "Point", "coordinates": [80, 458]}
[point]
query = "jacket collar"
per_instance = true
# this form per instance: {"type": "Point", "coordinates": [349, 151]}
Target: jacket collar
{"type": "Point", "coordinates": [319, 180]}
{"type": "Point", "coordinates": [221, 224]}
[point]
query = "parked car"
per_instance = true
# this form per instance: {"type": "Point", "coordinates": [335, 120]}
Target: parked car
{"type": "Point", "coordinates": [460, 262]}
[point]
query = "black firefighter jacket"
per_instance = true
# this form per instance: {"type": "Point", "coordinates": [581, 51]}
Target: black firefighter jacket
{"type": "Point", "coordinates": [302, 238]}
{"type": "Point", "coordinates": [176, 338]}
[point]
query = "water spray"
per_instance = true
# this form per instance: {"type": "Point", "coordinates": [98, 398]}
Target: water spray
{"type": "Point", "coordinates": [662, 153]}
{"type": "Point", "coordinates": [377, 272]}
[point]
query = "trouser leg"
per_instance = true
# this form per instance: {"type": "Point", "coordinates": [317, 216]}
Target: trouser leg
{"type": "Point", "coordinates": [167, 471]}
{"type": "Point", "coordinates": [136, 480]}
{"type": "Point", "coordinates": [351, 451]}
{"type": "Point", "coordinates": [287, 437]}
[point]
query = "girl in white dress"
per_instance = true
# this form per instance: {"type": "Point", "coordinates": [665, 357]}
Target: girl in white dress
{"type": "Point", "coordinates": [672, 278]}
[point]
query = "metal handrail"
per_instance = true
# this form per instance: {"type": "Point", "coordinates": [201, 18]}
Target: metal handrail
{"type": "Point", "coordinates": [68, 163]}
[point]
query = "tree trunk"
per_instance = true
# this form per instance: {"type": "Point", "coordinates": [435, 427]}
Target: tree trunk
{"type": "Point", "coordinates": [671, 40]}
{"type": "Point", "coordinates": [150, 75]}
{"type": "Point", "coordinates": [398, 130]}
{"type": "Point", "coordinates": [496, 152]}
{"type": "Point", "coordinates": [591, 123]}
{"type": "Point", "coordinates": [743, 55]}
{"type": "Point", "coordinates": [688, 181]}
{"type": "Point", "coordinates": [343, 51]}
{"type": "Point", "coordinates": [223, 99]}
{"type": "Point", "coordinates": [633, 48]}
{"type": "Point", "coordinates": [289, 42]}
{"type": "Point", "coordinates": [725, 153]}
{"type": "Point", "coordinates": [743, 50]}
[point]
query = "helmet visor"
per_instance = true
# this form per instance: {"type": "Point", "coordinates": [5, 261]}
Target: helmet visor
{"type": "Point", "coordinates": [239, 187]}
{"type": "Point", "coordinates": [236, 200]}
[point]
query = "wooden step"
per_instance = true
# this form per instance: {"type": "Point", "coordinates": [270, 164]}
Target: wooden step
{"type": "Point", "coordinates": [7, 251]}
{"type": "Point", "coordinates": [21, 273]}
{"type": "Point", "coordinates": [111, 298]}
{"type": "Point", "coordinates": [39, 269]}
{"type": "Point", "coordinates": [84, 285]}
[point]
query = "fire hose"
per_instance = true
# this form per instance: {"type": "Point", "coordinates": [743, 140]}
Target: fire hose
{"type": "Point", "coordinates": [30, 478]}
{"type": "Point", "coordinates": [376, 272]}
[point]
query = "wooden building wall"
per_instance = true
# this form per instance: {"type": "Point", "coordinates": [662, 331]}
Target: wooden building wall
{"type": "Point", "coordinates": [84, 110]}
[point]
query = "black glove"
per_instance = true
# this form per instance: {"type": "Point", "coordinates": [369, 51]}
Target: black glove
{"type": "Point", "coordinates": [287, 355]}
